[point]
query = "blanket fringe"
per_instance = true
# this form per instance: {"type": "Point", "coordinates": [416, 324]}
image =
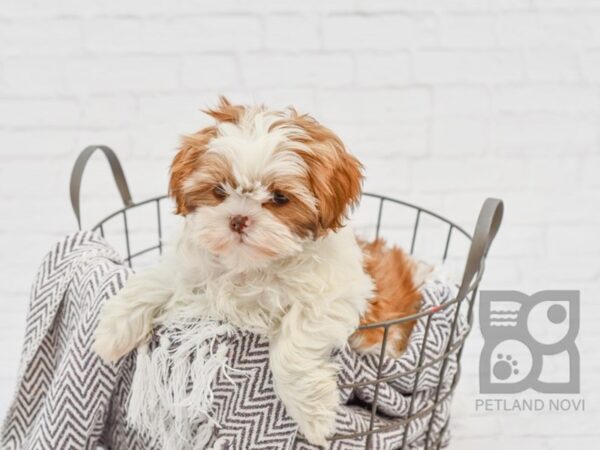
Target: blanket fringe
{"type": "Point", "coordinates": [171, 397]}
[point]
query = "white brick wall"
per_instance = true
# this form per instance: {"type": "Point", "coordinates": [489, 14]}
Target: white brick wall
{"type": "Point", "coordinates": [446, 102]}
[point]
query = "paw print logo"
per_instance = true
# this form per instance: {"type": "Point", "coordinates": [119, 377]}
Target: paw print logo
{"type": "Point", "coordinates": [505, 367]}
{"type": "Point", "coordinates": [522, 334]}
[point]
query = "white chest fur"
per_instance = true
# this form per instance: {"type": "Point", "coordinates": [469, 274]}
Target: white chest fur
{"type": "Point", "coordinates": [325, 277]}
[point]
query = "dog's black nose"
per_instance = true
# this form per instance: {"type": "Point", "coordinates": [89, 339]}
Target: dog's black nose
{"type": "Point", "coordinates": [238, 223]}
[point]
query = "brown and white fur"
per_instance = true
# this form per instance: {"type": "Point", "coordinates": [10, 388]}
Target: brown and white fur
{"type": "Point", "coordinates": [397, 279]}
{"type": "Point", "coordinates": [264, 196]}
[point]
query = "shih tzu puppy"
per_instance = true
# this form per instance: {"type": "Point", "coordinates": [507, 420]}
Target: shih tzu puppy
{"type": "Point", "coordinates": [264, 195]}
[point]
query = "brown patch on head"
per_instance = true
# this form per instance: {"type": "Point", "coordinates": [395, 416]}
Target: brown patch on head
{"type": "Point", "coordinates": [334, 175]}
{"type": "Point", "coordinates": [203, 188]}
{"type": "Point", "coordinates": [226, 112]}
{"type": "Point", "coordinates": [192, 155]}
{"type": "Point", "coordinates": [189, 187]}
{"type": "Point", "coordinates": [185, 163]}
{"type": "Point", "coordinates": [298, 215]}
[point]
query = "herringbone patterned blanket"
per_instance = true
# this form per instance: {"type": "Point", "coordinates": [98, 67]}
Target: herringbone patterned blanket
{"type": "Point", "coordinates": [66, 398]}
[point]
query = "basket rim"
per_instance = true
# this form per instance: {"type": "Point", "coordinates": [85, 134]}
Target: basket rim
{"type": "Point", "coordinates": [382, 198]}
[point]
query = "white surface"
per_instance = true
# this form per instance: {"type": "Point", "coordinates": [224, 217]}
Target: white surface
{"type": "Point", "coordinates": [446, 102]}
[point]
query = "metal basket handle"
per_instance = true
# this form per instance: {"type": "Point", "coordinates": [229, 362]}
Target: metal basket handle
{"type": "Point", "coordinates": [77, 173]}
{"type": "Point", "coordinates": [488, 223]}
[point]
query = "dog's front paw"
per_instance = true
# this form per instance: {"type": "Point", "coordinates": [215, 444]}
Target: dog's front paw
{"type": "Point", "coordinates": [110, 344]}
{"type": "Point", "coordinates": [318, 409]}
{"type": "Point", "coordinates": [121, 328]}
{"type": "Point", "coordinates": [316, 429]}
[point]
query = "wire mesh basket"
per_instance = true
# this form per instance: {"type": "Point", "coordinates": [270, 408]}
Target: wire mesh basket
{"type": "Point", "coordinates": [414, 223]}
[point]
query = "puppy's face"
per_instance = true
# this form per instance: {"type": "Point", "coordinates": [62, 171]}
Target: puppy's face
{"type": "Point", "coordinates": [259, 184]}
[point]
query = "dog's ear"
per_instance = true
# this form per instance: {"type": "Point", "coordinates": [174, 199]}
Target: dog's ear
{"type": "Point", "coordinates": [336, 181]}
{"type": "Point", "coordinates": [334, 174]}
{"type": "Point", "coordinates": [185, 163]}
{"type": "Point", "coordinates": [226, 112]}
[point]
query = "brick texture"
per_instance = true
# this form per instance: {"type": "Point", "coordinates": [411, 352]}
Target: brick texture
{"type": "Point", "coordinates": [445, 101]}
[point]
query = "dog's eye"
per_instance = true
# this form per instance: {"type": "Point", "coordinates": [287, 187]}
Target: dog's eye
{"type": "Point", "coordinates": [219, 191]}
{"type": "Point", "coordinates": [279, 198]}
